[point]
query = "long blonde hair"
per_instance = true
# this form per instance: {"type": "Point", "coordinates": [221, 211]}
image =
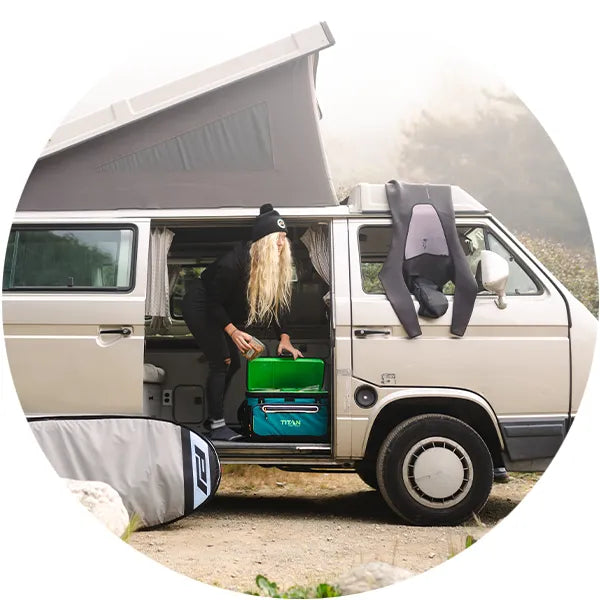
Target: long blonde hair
{"type": "Point", "coordinates": [270, 282]}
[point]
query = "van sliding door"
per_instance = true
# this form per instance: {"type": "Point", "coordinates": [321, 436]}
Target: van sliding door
{"type": "Point", "coordinates": [73, 308]}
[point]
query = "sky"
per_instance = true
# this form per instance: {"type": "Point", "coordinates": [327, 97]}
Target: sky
{"type": "Point", "coordinates": [368, 73]}
{"type": "Point", "coordinates": [54, 52]}
{"type": "Point", "coordinates": [368, 68]}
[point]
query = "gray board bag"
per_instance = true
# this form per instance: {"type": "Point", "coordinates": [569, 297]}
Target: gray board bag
{"type": "Point", "coordinates": [161, 470]}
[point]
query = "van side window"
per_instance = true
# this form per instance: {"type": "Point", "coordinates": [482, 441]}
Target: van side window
{"type": "Point", "coordinates": [375, 242]}
{"type": "Point", "coordinates": [519, 282]}
{"type": "Point", "coordinates": [186, 273]}
{"type": "Point", "coordinates": [64, 259]}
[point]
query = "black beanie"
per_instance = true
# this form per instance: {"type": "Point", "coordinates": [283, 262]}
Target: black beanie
{"type": "Point", "coordinates": [268, 221]}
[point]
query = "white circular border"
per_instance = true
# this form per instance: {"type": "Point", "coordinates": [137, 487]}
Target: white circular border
{"type": "Point", "coordinates": [53, 52]}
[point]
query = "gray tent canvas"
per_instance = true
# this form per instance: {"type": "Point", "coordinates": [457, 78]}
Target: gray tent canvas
{"type": "Point", "coordinates": [239, 135]}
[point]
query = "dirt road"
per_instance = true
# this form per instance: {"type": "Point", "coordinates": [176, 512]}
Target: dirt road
{"type": "Point", "coordinates": [306, 528]}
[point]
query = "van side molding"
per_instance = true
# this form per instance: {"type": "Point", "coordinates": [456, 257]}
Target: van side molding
{"type": "Point", "coordinates": [533, 437]}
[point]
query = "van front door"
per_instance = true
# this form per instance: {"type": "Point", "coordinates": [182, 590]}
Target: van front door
{"type": "Point", "coordinates": [516, 358]}
{"type": "Point", "coordinates": [73, 311]}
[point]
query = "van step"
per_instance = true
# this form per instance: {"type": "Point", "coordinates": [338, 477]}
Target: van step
{"type": "Point", "coordinates": [270, 449]}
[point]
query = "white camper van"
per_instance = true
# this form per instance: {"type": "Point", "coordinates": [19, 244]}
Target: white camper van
{"type": "Point", "coordinates": [128, 204]}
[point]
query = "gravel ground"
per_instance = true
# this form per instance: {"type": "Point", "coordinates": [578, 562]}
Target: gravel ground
{"type": "Point", "coordinates": [305, 529]}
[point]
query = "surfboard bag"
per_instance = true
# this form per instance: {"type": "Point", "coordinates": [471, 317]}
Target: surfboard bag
{"type": "Point", "coordinates": [425, 255]}
{"type": "Point", "coordinates": [161, 470]}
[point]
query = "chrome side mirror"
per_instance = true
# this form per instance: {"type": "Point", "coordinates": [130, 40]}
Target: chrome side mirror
{"type": "Point", "coordinates": [494, 275]}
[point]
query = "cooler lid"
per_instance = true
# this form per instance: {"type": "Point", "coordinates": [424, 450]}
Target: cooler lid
{"type": "Point", "coordinates": [285, 374]}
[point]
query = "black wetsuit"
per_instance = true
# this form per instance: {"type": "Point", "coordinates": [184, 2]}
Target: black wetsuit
{"type": "Point", "coordinates": [425, 254]}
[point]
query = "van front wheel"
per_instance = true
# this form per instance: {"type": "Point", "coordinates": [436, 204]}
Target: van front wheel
{"type": "Point", "coordinates": [434, 470]}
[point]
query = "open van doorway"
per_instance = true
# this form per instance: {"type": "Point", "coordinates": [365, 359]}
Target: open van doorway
{"type": "Point", "coordinates": [172, 356]}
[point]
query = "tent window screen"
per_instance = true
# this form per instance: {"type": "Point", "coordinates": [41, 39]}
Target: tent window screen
{"type": "Point", "coordinates": [69, 259]}
{"type": "Point", "coordinates": [238, 142]}
{"type": "Point", "coordinates": [375, 244]}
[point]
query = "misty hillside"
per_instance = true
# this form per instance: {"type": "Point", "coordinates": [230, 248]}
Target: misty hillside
{"type": "Point", "coordinates": [502, 156]}
{"type": "Point", "coordinates": [499, 153]}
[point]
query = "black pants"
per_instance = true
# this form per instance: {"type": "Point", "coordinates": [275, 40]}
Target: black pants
{"type": "Point", "coordinates": [216, 345]}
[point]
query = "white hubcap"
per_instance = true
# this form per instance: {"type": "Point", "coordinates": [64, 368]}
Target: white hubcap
{"type": "Point", "coordinates": [437, 472]}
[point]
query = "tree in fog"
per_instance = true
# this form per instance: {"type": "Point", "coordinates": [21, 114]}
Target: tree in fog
{"type": "Point", "coordinates": [503, 157]}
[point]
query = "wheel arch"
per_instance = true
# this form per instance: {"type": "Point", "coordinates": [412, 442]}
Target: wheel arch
{"type": "Point", "coordinates": [466, 406]}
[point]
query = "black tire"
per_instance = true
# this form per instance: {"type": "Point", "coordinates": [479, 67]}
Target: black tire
{"type": "Point", "coordinates": [451, 461]}
{"type": "Point", "coordinates": [367, 471]}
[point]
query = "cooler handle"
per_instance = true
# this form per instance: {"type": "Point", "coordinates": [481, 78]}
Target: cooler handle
{"type": "Point", "coordinates": [271, 408]}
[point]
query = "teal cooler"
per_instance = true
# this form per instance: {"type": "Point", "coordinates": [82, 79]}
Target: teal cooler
{"type": "Point", "coordinates": [285, 400]}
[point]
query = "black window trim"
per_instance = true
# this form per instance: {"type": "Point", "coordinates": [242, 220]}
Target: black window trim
{"type": "Point", "coordinates": [79, 227]}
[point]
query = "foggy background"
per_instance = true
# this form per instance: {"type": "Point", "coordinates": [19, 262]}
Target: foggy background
{"type": "Point", "coordinates": [483, 139]}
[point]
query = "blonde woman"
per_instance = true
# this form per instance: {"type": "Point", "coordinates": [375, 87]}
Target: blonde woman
{"type": "Point", "coordinates": [250, 285]}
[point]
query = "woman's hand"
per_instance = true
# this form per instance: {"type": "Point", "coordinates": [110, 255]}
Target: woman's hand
{"type": "Point", "coordinates": [286, 344]}
{"type": "Point", "coordinates": [241, 339]}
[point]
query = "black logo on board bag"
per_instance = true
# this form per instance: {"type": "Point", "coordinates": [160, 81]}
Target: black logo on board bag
{"type": "Point", "coordinates": [200, 458]}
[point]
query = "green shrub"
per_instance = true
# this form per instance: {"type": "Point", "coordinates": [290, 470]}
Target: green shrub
{"type": "Point", "coordinates": [271, 590]}
{"type": "Point", "coordinates": [574, 268]}
{"type": "Point", "coordinates": [469, 541]}
{"type": "Point", "coordinates": [134, 524]}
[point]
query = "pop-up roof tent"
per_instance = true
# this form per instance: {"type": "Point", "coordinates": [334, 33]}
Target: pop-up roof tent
{"type": "Point", "coordinates": [239, 134]}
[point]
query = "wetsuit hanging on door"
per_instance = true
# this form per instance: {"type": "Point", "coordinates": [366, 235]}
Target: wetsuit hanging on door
{"type": "Point", "coordinates": [425, 254]}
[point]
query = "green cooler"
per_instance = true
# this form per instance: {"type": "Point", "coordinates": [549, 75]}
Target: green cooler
{"type": "Point", "coordinates": [285, 400]}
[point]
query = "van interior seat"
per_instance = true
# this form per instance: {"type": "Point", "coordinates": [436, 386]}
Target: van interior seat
{"type": "Point", "coordinates": [153, 374]}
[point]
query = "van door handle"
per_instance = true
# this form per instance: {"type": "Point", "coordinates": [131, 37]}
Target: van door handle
{"type": "Point", "coordinates": [366, 332]}
{"type": "Point", "coordinates": [124, 331]}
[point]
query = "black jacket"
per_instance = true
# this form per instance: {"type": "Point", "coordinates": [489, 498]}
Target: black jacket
{"type": "Point", "coordinates": [225, 282]}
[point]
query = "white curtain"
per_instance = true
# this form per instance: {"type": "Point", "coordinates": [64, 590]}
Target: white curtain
{"type": "Point", "coordinates": [160, 281]}
{"type": "Point", "coordinates": [316, 240]}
